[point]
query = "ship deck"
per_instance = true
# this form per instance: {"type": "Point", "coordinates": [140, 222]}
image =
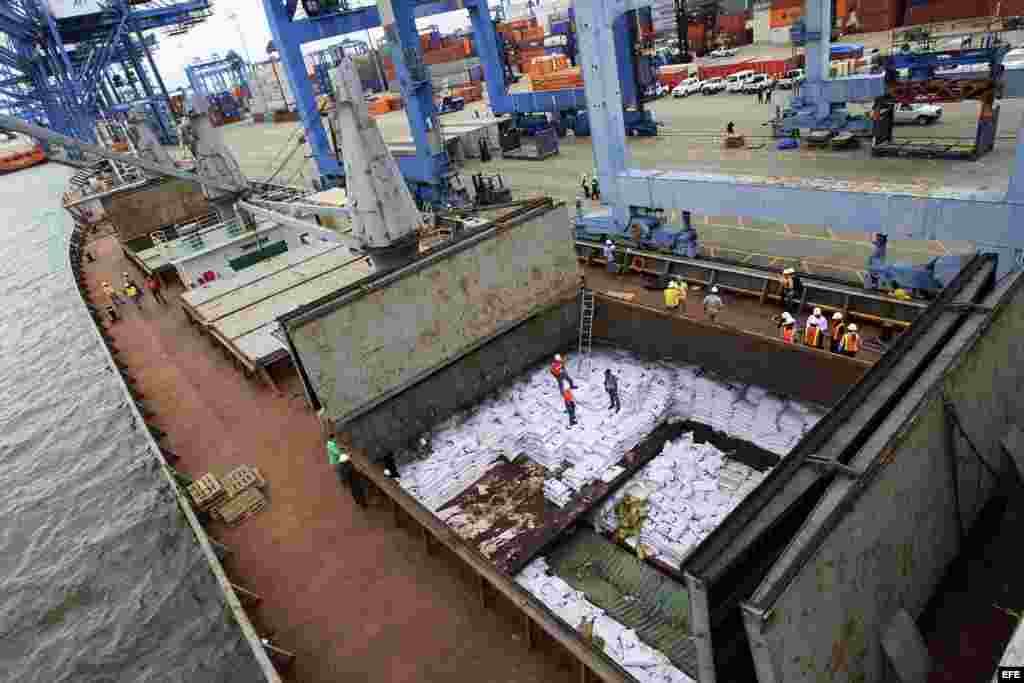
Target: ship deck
{"type": "Point", "coordinates": [344, 589]}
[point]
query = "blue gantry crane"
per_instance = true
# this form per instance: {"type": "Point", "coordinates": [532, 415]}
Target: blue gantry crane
{"type": "Point", "coordinates": [70, 68]}
{"type": "Point", "coordinates": [635, 199]}
{"type": "Point", "coordinates": [429, 171]}
{"type": "Point", "coordinates": [223, 81]}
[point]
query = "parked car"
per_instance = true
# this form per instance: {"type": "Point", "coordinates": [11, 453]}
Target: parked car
{"type": "Point", "coordinates": [756, 83]}
{"type": "Point", "coordinates": [921, 114]}
{"type": "Point", "coordinates": [724, 52]}
{"type": "Point", "coordinates": [1014, 59]}
{"type": "Point", "coordinates": [792, 78]}
{"type": "Point", "coordinates": [734, 82]}
{"type": "Point", "coordinates": [712, 86]}
{"type": "Point", "coordinates": [687, 87]}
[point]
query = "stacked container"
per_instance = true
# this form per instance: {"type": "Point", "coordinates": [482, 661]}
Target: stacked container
{"type": "Point", "coordinates": [878, 15]}
{"type": "Point", "coordinates": [926, 11]}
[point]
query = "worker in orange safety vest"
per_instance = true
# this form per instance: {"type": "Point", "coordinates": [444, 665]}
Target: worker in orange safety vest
{"type": "Point", "coordinates": [788, 327]}
{"type": "Point", "coordinates": [850, 344]}
{"type": "Point", "coordinates": [838, 330]}
{"type": "Point", "coordinates": [560, 373]}
{"type": "Point", "coordinates": [570, 406]}
{"type": "Point", "coordinates": [815, 329]}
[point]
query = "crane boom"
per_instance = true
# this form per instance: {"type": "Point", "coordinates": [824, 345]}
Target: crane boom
{"type": "Point", "coordinates": [46, 135]}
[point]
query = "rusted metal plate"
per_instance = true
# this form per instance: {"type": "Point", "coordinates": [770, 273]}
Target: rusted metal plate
{"type": "Point", "coordinates": [505, 516]}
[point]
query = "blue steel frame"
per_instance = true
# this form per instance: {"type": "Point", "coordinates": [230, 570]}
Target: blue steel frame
{"type": "Point", "coordinates": [992, 220]}
{"type": "Point", "coordinates": [40, 79]}
{"type": "Point", "coordinates": [217, 76]}
{"type": "Point", "coordinates": [428, 167]}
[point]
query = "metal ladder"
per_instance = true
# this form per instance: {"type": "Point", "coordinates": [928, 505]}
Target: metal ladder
{"type": "Point", "coordinates": [586, 327]}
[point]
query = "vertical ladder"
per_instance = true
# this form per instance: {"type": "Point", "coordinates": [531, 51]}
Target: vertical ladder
{"type": "Point", "coordinates": [586, 327]}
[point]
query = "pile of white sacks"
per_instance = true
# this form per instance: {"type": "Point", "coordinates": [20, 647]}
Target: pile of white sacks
{"type": "Point", "coordinates": [529, 417]}
{"type": "Point", "coordinates": [689, 489]}
{"type": "Point", "coordinates": [643, 662]}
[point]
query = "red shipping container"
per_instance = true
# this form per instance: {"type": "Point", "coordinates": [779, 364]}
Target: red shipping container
{"type": "Point", "coordinates": [1010, 8]}
{"type": "Point", "coordinates": [732, 23]}
{"type": "Point", "coordinates": [946, 10]}
{"type": "Point", "coordinates": [877, 21]}
{"type": "Point", "coordinates": [786, 4]}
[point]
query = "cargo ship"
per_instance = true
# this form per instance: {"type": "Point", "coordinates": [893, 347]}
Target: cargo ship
{"type": "Point", "coordinates": [18, 152]}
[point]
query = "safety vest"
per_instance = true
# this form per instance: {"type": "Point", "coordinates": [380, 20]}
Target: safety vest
{"type": "Point", "coordinates": [811, 335]}
{"type": "Point", "coordinates": [671, 297]}
{"type": "Point", "coordinates": [851, 342]}
{"type": "Point", "coordinates": [567, 395]}
{"type": "Point", "coordinates": [556, 369]}
{"type": "Point", "coordinates": [787, 332]}
{"type": "Point", "coordinates": [838, 329]}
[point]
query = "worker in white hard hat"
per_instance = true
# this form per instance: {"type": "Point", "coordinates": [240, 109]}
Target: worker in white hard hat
{"type": "Point", "coordinates": [609, 257]}
{"type": "Point", "coordinates": [837, 330]}
{"type": "Point", "coordinates": [792, 290]}
{"type": "Point", "coordinates": [713, 304]}
{"type": "Point", "coordinates": [560, 373]}
{"type": "Point", "coordinates": [815, 330]}
{"type": "Point", "coordinates": [787, 325]}
{"type": "Point", "coordinates": [850, 343]}
{"type": "Point", "coordinates": [672, 296]}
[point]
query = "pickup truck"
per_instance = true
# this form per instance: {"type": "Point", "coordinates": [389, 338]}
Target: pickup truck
{"type": "Point", "coordinates": [712, 86]}
{"type": "Point", "coordinates": [921, 114]}
{"type": "Point", "coordinates": [688, 87]}
{"type": "Point", "coordinates": [792, 78]}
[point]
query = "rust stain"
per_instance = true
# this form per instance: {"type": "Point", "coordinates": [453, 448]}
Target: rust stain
{"type": "Point", "coordinates": [849, 646]}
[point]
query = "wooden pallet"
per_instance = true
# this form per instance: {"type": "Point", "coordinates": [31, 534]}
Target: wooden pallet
{"type": "Point", "coordinates": [241, 478]}
{"type": "Point", "coordinates": [241, 507]}
{"type": "Point", "coordinates": [206, 492]}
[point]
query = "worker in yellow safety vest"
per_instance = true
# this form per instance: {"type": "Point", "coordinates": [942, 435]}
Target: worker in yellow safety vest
{"type": "Point", "coordinates": [850, 344]}
{"type": "Point", "coordinates": [672, 296]}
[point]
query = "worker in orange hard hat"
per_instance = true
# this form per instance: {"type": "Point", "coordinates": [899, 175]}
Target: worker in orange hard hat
{"type": "Point", "coordinates": [838, 330]}
{"type": "Point", "coordinates": [560, 373]}
{"type": "Point", "coordinates": [850, 344]}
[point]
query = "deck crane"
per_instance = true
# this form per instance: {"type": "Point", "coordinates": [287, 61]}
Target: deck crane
{"type": "Point", "coordinates": [636, 200]}
{"type": "Point", "coordinates": [384, 217]}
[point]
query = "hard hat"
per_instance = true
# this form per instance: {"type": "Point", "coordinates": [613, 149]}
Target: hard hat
{"type": "Point", "coordinates": [714, 290]}
{"type": "Point", "coordinates": [125, 273]}
{"type": "Point", "coordinates": [788, 271]}
{"type": "Point", "coordinates": [853, 328]}
{"type": "Point", "coordinates": [787, 317]}
{"type": "Point", "coordinates": [423, 442]}
{"type": "Point", "coordinates": [558, 357]}
{"type": "Point", "coordinates": [608, 242]}
{"type": "Point", "coordinates": [837, 316]}
{"type": "Point", "coordinates": [817, 311]}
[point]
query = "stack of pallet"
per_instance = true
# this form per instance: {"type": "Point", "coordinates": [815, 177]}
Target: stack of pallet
{"type": "Point", "coordinates": [244, 498]}
{"type": "Point", "coordinates": [558, 80]}
{"type": "Point", "coordinates": [206, 493]}
{"type": "Point", "coordinates": [232, 499]}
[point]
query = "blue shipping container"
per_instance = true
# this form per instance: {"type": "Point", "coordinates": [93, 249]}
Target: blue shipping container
{"type": "Point", "coordinates": [560, 27]}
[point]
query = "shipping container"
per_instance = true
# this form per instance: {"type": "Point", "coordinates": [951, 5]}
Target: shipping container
{"type": "Point", "coordinates": [786, 16]}
{"type": "Point", "coordinates": [923, 12]}
{"type": "Point", "coordinates": [733, 23]}
{"type": "Point", "coordinates": [876, 21]}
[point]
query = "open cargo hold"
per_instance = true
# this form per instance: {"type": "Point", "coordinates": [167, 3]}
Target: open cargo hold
{"type": "Point", "coordinates": [861, 539]}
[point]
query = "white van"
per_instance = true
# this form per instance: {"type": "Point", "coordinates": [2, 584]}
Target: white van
{"type": "Point", "coordinates": [734, 82]}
